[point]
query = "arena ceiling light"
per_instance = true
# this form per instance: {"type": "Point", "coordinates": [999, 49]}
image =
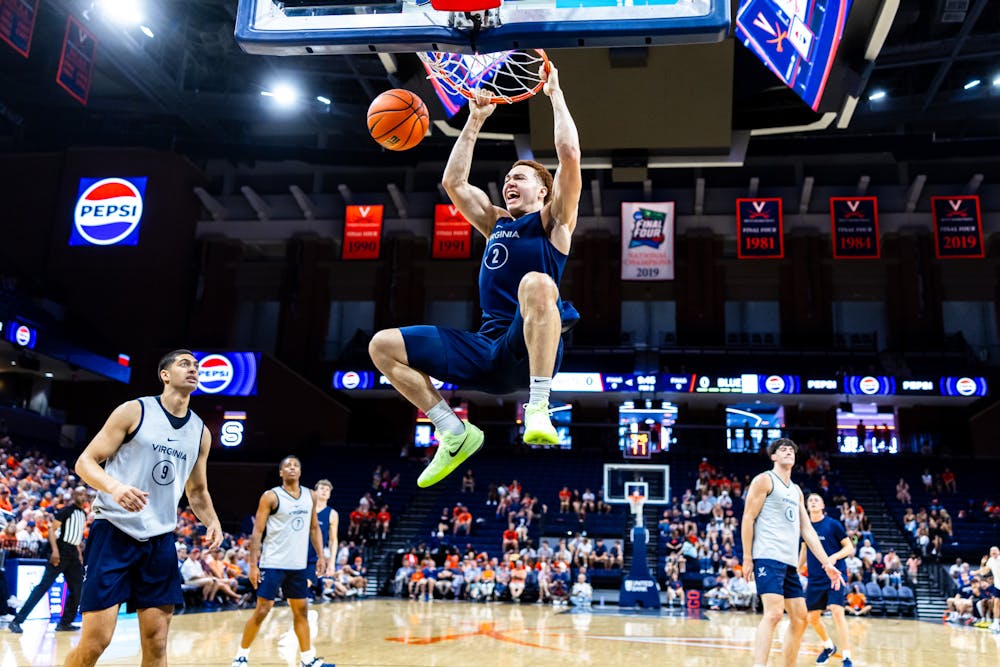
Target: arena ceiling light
{"type": "Point", "coordinates": [147, 31]}
{"type": "Point", "coordinates": [972, 84]}
{"type": "Point", "coordinates": [877, 95]}
{"type": "Point", "coordinates": [124, 12]}
{"type": "Point", "coordinates": [324, 100]}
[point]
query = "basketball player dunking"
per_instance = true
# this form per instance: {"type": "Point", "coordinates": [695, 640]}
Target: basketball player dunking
{"type": "Point", "coordinates": [820, 593]}
{"type": "Point", "coordinates": [774, 519]}
{"type": "Point", "coordinates": [154, 450]}
{"type": "Point", "coordinates": [288, 512]}
{"type": "Point", "coordinates": [520, 339]}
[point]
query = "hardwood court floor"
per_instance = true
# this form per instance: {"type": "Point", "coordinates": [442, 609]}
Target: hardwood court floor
{"type": "Point", "coordinates": [400, 633]}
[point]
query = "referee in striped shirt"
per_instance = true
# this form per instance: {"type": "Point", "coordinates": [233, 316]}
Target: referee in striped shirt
{"type": "Point", "coordinates": [66, 539]}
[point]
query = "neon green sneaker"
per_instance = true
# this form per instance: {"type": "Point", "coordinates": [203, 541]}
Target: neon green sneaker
{"type": "Point", "coordinates": [538, 428]}
{"type": "Point", "coordinates": [452, 451]}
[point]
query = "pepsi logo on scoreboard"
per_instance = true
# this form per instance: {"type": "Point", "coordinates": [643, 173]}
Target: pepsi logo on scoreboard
{"type": "Point", "coordinates": [227, 373]}
{"type": "Point", "coordinates": [964, 386]}
{"type": "Point", "coordinates": [353, 380]}
{"type": "Point", "coordinates": [870, 385]}
{"type": "Point", "coordinates": [108, 211]}
{"type": "Point", "coordinates": [21, 334]}
{"type": "Point", "coordinates": [780, 384]}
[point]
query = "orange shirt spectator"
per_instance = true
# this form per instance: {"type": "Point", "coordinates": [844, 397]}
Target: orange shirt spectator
{"type": "Point", "coordinates": [705, 467]}
{"type": "Point", "coordinates": [464, 517]}
{"type": "Point", "coordinates": [383, 516]}
{"type": "Point", "coordinates": [509, 535]}
{"type": "Point", "coordinates": [856, 600]}
{"type": "Point", "coordinates": [356, 517]}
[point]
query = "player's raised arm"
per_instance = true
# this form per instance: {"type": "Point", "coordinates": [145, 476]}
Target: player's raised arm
{"type": "Point", "coordinates": [473, 203]}
{"type": "Point", "coordinates": [568, 182]}
{"type": "Point", "coordinates": [124, 420]}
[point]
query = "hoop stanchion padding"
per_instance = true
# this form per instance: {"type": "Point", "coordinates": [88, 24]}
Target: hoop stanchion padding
{"type": "Point", "coordinates": [465, 5]}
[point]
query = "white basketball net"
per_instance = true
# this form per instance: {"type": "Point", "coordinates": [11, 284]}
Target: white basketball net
{"type": "Point", "coordinates": [636, 501]}
{"type": "Point", "coordinates": [507, 76]}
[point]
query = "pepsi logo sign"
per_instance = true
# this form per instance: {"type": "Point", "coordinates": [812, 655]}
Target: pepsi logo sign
{"type": "Point", "coordinates": [965, 386]}
{"type": "Point", "coordinates": [775, 384]}
{"type": "Point", "coordinates": [350, 380]}
{"type": "Point", "coordinates": [108, 211]}
{"type": "Point", "coordinates": [22, 335]}
{"type": "Point", "coordinates": [868, 385]}
{"type": "Point", "coordinates": [215, 373]}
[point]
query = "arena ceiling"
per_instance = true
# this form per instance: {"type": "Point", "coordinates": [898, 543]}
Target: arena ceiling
{"type": "Point", "coordinates": [190, 88]}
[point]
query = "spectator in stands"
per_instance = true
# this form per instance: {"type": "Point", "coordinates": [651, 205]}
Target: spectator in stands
{"type": "Point", "coordinates": [910, 521]}
{"type": "Point", "coordinates": [893, 568]}
{"type": "Point", "coordinates": [528, 553]}
{"type": "Point", "coordinates": [492, 497]}
{"type": "Point", "coordinates": [563, 554]}
{"type": "Point", "coordinates": [463, 521]}
{"type": "Point", "coordinates": [30, 537]}
{"type": "Point", "coordinates": [741, 593]}
{"type": "Point", "coordinates": [583, 551]}
{"type": "Point", "coordinates": [854, 565]}
{"type": "Point", "coordinates": [615, 556]}
{"type": "Point", "coordinates": [8, 537]}
{"type": "Point", "coordinates": [469, 482]}
{"type": "Point", "coordinates": [382, 520]}
{"type": "Point", "coordinates": [582, 593]}
{"type": "Point", "coordinates": [928, 480]}
{"type": "Point", "coordinates": [867, 552]}
{"type": "Point", "coordinates": [718, 594]}
{"type": "Point", "coordinates": [675, 588]}
{"type": "Point", "coordinates": [599, 557]}
{"type": "Point", "coordinates": [588, 500]}
{"type": "Point", "coordinates": [355, 518]}
{"type": "Point", "coordinates": [545, 552]}
{"type": "Point", "coordinates": [518, 577]}
{"type": "Point", "coordinates": [195, 576]}
{"type": "Point", "coordinates": [520, 521]}
{"type": "Point", "coordinates": [857, 603]}
{"type": "Point", "coordinates": [565, 495]}
{"type": "Point", "coordinates": [913, 567]}
{"type": "Point", "coordinates": [509, 538]}
{"type": "Point", "coordinates": [903, 492]}
{"type": "Point", "coordinates": [948, 479]}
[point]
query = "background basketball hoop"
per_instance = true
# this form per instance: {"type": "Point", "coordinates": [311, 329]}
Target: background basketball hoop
{"type": "Point", "coordinates": [636, 501]}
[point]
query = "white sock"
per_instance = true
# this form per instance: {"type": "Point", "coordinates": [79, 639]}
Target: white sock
{"type": "Point", "coordinates": [308, 656]}
{"type": "Point", "coordinates": [846, 655]}
{"type": "Point", "coordinates": [828, 643]}
{"type": "Point", "coordinates": [539, 389]}
{"type": "Point", "coordinates": [445, 419]}
{"type": "Point", "coordinates": [243, 653]}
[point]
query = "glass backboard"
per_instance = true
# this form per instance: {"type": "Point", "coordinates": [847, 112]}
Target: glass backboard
{"type": "Point", "coordinates": [303, 27]}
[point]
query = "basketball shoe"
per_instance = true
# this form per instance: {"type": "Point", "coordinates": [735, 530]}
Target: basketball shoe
{"type": "Point", "coordinates": [847, 663]}
{"type": "Point", "coordinates": [452, 451]}
{"type": "Point", "coordinates": [825, 655]}
{"type": "Point", "coordinates": [538, 428]}
{"type": "Point", "coordinates": [317, 662]}
{"type": "Point", "coordinates": [240, 662]}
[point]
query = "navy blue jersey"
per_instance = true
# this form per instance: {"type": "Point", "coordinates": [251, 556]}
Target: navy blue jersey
{"type": "Point", "coordinates": [514, 248]}
{"type": "Point", "coordinates": [831, 532]}
{"type": "Point", "coordinates": [323, 519]}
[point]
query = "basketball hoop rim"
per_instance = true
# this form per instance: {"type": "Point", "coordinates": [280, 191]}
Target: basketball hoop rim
{"type": "Point", "coordinates": [494, 99]}
{"type": "Point", "coordinates": [636, 502]}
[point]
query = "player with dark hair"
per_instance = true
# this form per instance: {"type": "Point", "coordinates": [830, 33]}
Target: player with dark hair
{"type": "Point", "coordinates": [286, 523]}
{"type": "Point", "coordinates": [774, 520]}
{"type": "Point", "coordinates": [519, 342]}
{"type": "Point", "coordinates": [820, 593]}
{"type": "Point", "coordinates": [154, 450]}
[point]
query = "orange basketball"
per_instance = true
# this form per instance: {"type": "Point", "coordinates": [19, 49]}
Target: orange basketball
{"type": "Point", "coordinates": [397, 119]}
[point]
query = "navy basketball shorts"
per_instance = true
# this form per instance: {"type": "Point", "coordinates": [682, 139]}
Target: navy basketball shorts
{"type": "Point", "coordinates": [777, 578]}
{"type": "Point", "coordinates": [120, 568]}
{"type": "Point", "coordinates": [473, 360]}
{"type": "Point", "coordinates": [820, 595]}
{"type": "Point", "coordinates": [293, 583]}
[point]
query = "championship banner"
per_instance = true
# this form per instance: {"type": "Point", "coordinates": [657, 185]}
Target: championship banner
{"type": "Point", "coordinates": [854, 227]}
{"type": "Point", "coordinates": [452, 234]}
{"type": "Point", "coordinates": [958, 227]}
{"type": "Point", "coordinates": [648, 240]}
{"type": "Point", "coordinates": [76, 64]}
{"type": "Point", "coordinates": [362, 232]}
{"type": "Point", "coordinates": [759, 232]}
{"type": "Point", "coordinates": [17, 23]}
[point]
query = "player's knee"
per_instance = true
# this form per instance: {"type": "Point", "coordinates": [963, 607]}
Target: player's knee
{"type": "Point", "coordinates": [537, 290]}
{"type": "Point", "coordinates": [773, 617]}
{"type": "Point", "coordinates": [385, 345]}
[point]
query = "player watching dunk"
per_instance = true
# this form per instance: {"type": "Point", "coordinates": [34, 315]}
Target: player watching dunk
{"type": "Point", "coordinates": [520, 340]}
{"type": "Point", "coordinates": [154, 450]}
{"type": "Point", "coordinates": [820, 593]}
{"type": "Point", "coordinates": [286, 522]}
{"type": "Point", "coordinates": [774, 519]}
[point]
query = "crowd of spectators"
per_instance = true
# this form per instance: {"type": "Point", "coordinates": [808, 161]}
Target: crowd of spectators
{"type": "Point", "coordinates": [977, 598]}
{"type": "Point", "coordinates": [556, 574]}
{"type": "Point", "coordinates": [371, 519]}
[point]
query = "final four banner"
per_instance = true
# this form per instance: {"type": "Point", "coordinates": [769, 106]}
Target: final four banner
{"type": "Point", "coordinates": [362, 232]}
{"type": "Point", "coordinates": [958, 226]}
{"type": "Point", "coordinates": [854, 227]}
{"type": "Point", "coordinates": [17, 23]}
{"type": "Point", "coordinates": [452, 234]}
{"type": "Point", "coordinates": [759, 232]}
{"type": "Point", "coordinates": [648, 240]}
